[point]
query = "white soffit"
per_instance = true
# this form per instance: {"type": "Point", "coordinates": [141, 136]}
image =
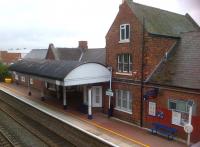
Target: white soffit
{"type": "Point", "coordinates": [87, 74]}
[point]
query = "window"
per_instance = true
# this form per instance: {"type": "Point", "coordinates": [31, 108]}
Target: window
{"type": "Point", "coordinates": [31, 81]}
{"type": "Point", "coordinates": [16, 77]}
{"type": "Point", "coordinates": [178, 105]}
{"type": "Point", "coordinates": [125, 33]}
{"type": "Point", "coordinates": [22, 78]}
{"type": "Point", "coordinates": [50, 86]}
{"type": "Point", "coordinates": [152, 108]}
{"type": "Point", "coordinates": [97, 95]}
{"type": "Point", "coordinates": [124, 63]}
{"type": "Point", "coordinates": [123, 100]}
{"type": "Point", "coordinates": [180, 111]}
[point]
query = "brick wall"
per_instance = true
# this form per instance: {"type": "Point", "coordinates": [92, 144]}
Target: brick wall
{"type": "Point", "coordinates": [9, 58]}
{"type": "Point", "coordinates": [162, 105]}
{"type": "Point", "coordinates": [50, 54]}
{"type": "Point", "coordinates": [154, 47]}
{"type": "Point", "coordinates": [36, 83]}
{"type": "Point", "coordinates": [113, 47]}
{"type": "Point", "coordinates": [135, 116]}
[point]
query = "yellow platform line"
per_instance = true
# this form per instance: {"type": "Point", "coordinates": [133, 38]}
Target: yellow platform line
{"type": "Point", "coordinates": [93, 123]}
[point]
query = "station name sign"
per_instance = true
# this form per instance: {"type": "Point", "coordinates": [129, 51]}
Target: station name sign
{"type": "Point", "coordinates": [109, 92]}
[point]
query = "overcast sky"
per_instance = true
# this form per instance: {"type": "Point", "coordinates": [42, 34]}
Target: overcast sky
{"type": "Point", "coordinates": [36, 23]}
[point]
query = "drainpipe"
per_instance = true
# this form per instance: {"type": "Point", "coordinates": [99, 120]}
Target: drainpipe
{"type": "Point", "coordinates": [29, 87]}
{"type": "Point", "coordinates": [142, 78]}
{"type": "Point", "coordinates": [109, 102]}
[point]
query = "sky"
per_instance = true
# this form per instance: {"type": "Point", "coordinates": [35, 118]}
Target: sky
{"type": "Point", "coordinates": [36, 23]}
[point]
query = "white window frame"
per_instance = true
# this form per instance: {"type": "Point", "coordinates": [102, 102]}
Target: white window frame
{"type": "Point", "coordinates": [16, 77]}
{"type": "Point", "coordinates": [123, 26]}
{"type": "Point", "coordinates": [31, 81]}
{"type": "Point", "coordinates": [94, 96]}
{"type": "Point", "coordinates": [129, 99]}
{"type": "Point", "coordinates": [152, 108]}
{"type": "Point", "coordinates": [130, 63]}
{"type": "Point", "coordinates": [179, 117]}
{"type": "Point", "coordinates": [23, 79]}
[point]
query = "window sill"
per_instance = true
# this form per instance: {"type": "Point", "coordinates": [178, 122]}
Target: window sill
{"type": "Point", "coordinates": [124, 73]}
{"type": "Point", "coordinates": [52, 89]}
{"type": "Point", "coordinates": [179, 125]}
{"type": "Point", "coordinates": [124, 41]}
{"type": "Point", "coordinates": [123, 111]}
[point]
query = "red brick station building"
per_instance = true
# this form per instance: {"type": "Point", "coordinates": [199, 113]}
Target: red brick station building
{"type": "Point", "coordinates": [153, 56]}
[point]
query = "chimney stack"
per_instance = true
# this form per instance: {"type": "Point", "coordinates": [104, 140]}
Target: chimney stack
{"type": "Point", "coordinates": [126, 1]}
{"type": "Point", "coordinates": [83, 44]}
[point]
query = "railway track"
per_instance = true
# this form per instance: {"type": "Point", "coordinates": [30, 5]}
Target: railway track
{"type": "Point", "coordinates": [4, 141]}
{"type": "Point", "coordinates": [42, 127]}
{"type": "Point", "coordinates": [44, 135]}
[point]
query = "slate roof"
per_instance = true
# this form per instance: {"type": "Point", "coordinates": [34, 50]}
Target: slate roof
{"type": "Point", "coordinates": [53, 69]}
{"type": "Point", "coordinates": [182, 69]}
{"type": "Point", "coordinates": [70, 54]}
{"type": "Point", "coordinates": [97, 55]}
{"type": "Point", "coordinates": [36, 54]}
{"type": "Point", "coordinates": [162, 22]}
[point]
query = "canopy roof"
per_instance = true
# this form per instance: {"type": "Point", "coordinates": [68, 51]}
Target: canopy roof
{"type": "Point", "coordinates": [67, 72]}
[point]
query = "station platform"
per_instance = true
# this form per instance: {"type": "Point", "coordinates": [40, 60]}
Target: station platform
{"type": "Point", "coordinates": [110, 130]}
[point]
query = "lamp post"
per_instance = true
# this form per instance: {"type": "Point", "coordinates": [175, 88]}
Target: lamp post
{"type": "Point", "coordinates": [188, 127]}
{"type": "Point", "coordinates": [110, 93]}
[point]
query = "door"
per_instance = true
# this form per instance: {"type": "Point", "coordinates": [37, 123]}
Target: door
{"type": "Point", "coordinates": [97, 96]}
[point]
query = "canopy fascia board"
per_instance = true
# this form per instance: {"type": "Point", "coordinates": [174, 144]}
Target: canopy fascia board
{"type": "Point", "coordinates": [89, 80]}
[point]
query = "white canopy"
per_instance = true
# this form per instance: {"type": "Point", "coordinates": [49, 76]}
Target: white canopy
{"type": "Point", "coordinates": [87, 73]}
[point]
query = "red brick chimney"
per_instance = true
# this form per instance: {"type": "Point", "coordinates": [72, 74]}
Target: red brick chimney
{"type": "Point", "coordinates": [83, 44]}
{"type": "Point", "coordinates": [126, 1]}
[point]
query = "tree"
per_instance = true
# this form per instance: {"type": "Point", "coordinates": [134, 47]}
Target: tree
{"type": "Point", "coordinates": [4, 73]}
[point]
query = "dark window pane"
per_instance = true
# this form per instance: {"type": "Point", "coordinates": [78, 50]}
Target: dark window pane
{"type": "Point", "coordinates": [124, 99]}
{"type": "Point", "coordinates": [130, 67]}
{"type": "Point", "coordinates": [172, 105]}
{"type": "Point", "coordinates": [122, 34]}
{"type": "Point", "coordinates": [120, 67]}
{"type": "Point", "coordinates": [126, 67]}
{"type": "Point", "coordinates": [126, 58]}
{"type": "Point", "coordinates": [130, 101]}
{"type": "Point", "coordinates": [127, 31]}
{"type": "Point", "coordinates": [120, 58]}
{"type": "Point", "coordinates": [130, 58]}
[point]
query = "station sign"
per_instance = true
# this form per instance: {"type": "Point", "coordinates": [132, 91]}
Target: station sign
{"type": "Point", "coordinates": [109, 92]}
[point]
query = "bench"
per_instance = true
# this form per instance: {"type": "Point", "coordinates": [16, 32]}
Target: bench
{"type": "Point", "coordinates": [164, 130]}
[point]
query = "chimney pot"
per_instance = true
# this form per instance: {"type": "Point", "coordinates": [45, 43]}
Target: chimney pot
{"type": "Point", "coordinates": [83, 44]}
